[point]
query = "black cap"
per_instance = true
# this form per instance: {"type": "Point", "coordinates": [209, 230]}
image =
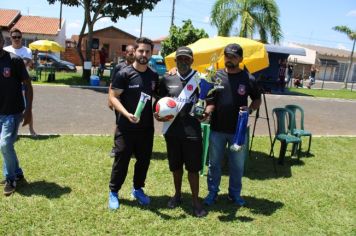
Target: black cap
{"type": "Point", "coordinates": [184, 51]}
{"type": "Point", "coordinates": [234, 49]}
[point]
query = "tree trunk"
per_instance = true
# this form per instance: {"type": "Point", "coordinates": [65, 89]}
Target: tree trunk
{"type": "Point", "coordinates": [350, 66]}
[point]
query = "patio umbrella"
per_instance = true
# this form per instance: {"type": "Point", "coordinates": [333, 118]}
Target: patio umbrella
{"type": "Point", "coordinates": [210, 51]}
{"type": "Point", "coordinates": [46, 45]}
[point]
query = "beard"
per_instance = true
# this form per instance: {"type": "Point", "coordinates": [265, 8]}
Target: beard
{"type": "Point", "coordinates": [130, 59]}
{"type": "Point", "coordinates": [230, 65]}
{"type": "Point", "coordinates": [142, 60]}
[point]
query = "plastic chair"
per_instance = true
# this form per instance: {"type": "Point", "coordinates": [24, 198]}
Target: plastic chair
{"type": "Point", "coordinates": [282, 123]}
{"type": "Point", "coordinates": [299, 131]}
{"type": "Point", "coordinates": [206, 133]}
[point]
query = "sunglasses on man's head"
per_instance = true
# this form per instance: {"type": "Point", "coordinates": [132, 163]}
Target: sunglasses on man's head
{"type": "Point", "coordinates": [16, 37]}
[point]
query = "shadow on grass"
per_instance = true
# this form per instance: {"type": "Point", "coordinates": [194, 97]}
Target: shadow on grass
{"type": "Point", "coordinates": [227, 209]}
{"type": "Point", "coordinates": [39, 136]}
{"type": "Point", "coordinates": [42, 188]}
{"type": "Point", "coordinates": [260, 166]}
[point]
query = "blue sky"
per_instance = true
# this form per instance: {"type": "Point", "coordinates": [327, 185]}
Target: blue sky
{"type": "Point", "coordinates": [303, 21]}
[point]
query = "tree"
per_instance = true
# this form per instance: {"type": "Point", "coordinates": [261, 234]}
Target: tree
{"type": "Point", "coordinates": [94, 10]}
{"type": "Point", "coordinates": [254, 16]}
{"type": "Point", "coordinates": [352, 35]}
{"type": "Point", "coordinates": [183, 36]}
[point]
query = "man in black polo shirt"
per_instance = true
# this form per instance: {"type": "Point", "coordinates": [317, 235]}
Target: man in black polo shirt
{"type": "Point", "coordinates": [12, 74]}
{"type": "Point", "coordinates": [133, 136]}
{"type": "Point", "coordinates": [225, 108]}
{"type": "Point", "coordinates": [183, 137]}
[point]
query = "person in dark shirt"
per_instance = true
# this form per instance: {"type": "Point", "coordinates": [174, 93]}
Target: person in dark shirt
{"type": "Point", "coordinates": [13, 74]}
{"type": "Point", "coordinates": [102, 60]}
{"type": "Point", "coordinates": [133, 135]}
{"type": "Point", "coordinates": [225, 106]}
{"type": "Point", "coordinates": [184, 135]}
{"type": "Point", "coordinates": [129, 59]}
{"type": "Point", "coordinates": [282, 74]}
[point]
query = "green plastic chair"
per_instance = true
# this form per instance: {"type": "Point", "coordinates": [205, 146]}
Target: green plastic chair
{"type": "Point", "coordinates": [205, 127]}
{"type": "Point", "coordinates": [281, 119]}
{"type": "Point", "coordinates": [299, 131]}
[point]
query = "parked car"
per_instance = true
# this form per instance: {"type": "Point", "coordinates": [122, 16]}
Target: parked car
{"type": "Point", "coordinates": [157, 63]}
{"type": "Point", "coordinates": [51, 60]}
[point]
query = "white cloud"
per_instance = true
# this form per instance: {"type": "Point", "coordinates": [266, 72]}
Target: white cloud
{"type": "Point", "coordinates": [74, 25]}
{"type": "Point", "coordinates": [206, 19]}
{"type": "Point", "coordinates": [341, 46]}
{"type": "Point", "coordinates": [351, 13]}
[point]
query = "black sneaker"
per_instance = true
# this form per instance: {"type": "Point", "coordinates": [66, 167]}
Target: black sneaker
{"type": "Point", "coordinates": [9, 188]}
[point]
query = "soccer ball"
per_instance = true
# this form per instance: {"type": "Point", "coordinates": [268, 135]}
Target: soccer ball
{"type": "Point", "coordinates": [166, 108]}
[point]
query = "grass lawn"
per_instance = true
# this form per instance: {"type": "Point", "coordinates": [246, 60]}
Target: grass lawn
{"type": "Point", "coordinates": [67, 193]}
{"type": "Point", "coordinates": [342, 93]}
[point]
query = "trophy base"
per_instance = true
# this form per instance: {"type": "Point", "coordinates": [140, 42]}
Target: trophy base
{"type": "Point", "coordinates": [199, 112]}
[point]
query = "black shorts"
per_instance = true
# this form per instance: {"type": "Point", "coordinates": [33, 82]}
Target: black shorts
{"type": "Point", "coordinates": [184, 151]}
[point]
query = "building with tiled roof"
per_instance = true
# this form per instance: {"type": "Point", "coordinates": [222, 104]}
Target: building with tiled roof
{"type": "Point", "coordinates": [8, 17]}
{"type": "Point", "coordinates": [332, 63]}
{"type": "Point", "coordinates": [32, 27]}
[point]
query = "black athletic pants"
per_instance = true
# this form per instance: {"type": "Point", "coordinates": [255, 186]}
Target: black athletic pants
{"type": "Point", "coordinates": [135, 143]}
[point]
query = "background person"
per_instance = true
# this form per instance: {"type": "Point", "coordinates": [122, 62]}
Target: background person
{"type": "Point", "coordinates": [313, 71]}
{"type": "Point", "coordinates": [102, 60]}
{"type": "Point", "coordinates": [13, 74]}
{"type": "Point", "coordinates": [184, 136]}
{"type": "Point", "coordinates": [129, 59]}
{"type": "Point", "coordinates": [26, 54]}
{"type": "Point", "coordinates": [133, 136]}
{"type": "Point", "coordinates": [225, 106]}
{"type": "Point", "coordinates": [282, 74]}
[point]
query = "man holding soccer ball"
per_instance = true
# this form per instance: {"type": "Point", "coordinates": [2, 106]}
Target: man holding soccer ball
{"type": "Point", "coordinates": [183, 135]}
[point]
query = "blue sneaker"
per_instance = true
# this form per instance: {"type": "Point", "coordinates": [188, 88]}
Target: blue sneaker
{"type": "Point", "coordinates": [237, 200]}
{"type": "Point", "coordinates": [140, 196]}
{"type": "Point", "coordinates": [211, 198]}
{"type": "Point", "coordinates": [113, 201]}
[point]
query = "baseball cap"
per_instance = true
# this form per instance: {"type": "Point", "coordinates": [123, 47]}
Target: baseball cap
{"type": "Point", "coordinates": [234, 49]}
{"type": "Point", "coordinates": [184, 51]}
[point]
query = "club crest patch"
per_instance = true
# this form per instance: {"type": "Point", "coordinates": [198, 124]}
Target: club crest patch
{"type": "Point", "coordinates": [190, 87]}
{"type": "Point", "coordinates": [6, 72]}
{"type": "Point", "coordinates": [242, 90]}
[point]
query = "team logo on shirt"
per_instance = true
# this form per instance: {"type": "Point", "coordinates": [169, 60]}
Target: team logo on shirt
{"type": "Point", "coordinates": [242, 90]}
{"type": "Point", "coordinates": [190, 87]}
{"type": "Point", "coordinates": [6, 72]}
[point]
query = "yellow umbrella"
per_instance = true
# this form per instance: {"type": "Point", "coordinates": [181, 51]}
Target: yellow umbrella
{"type": "Point", "coordinates": [46, 45]}
{"type": "Point", "coordinates": [210, 51]}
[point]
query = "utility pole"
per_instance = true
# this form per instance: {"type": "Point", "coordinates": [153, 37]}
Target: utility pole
{"type": "Point", "coordinates": [172, 19]}
{"type": "Point", "coordinates": [141, 24]}
{"type": "Point", "coordinates": [60, 16]}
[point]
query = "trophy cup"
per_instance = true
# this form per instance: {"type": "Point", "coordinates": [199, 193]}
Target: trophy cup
{"type": "Point", "coordinates": [240, 133]}
{"type": "Point", "coordinates": [206, 86]}
{"type": "Point", "coordinates": [141, 104]}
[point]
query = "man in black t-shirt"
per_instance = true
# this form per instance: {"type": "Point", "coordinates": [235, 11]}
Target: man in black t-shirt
{"type": "Point", "coordinates": [133, 135]}
{"type": "Point", "coordinates": [225, 107]}
{"type": "Point", "coordinates": [129, 59]}
{"type": "Point", "coordinates": [13, 74]}
{"type": "Point", "coordinates": [183, 137]}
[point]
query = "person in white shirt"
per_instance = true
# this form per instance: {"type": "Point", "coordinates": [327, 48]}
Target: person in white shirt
{"type": "Point", "coordinates": [26, 54]}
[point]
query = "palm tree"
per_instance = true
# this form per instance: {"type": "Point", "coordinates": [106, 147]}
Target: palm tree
{"type": "Point", "coordinates": [260, 16]}
{"type": "Point", "coordinates": [352, 35]}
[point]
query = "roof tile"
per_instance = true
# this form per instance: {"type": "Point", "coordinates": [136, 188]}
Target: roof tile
{"type": "Point", "coordinates": [38, 25]}
{"type": "Point", "coordinates": [7, 17]}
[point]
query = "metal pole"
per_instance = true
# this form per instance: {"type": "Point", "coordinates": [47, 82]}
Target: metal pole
{"type": "Point", "coordinates": [60, 16]}
{"type": "Point", "coordinates": [172, 19]}
{"type": "Point", "coordinates": [326, 66]}
{"type": "Point", "coordinates": [141, 24]}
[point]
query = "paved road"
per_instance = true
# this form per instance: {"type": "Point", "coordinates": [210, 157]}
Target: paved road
{"type": "Point", "coordinates": [71, 110]}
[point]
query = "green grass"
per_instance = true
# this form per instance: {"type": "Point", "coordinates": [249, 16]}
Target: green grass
{"type": "Point", "coordinates": [67, 193]}
{"type": "Point", "coordinates": [342, 93]}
